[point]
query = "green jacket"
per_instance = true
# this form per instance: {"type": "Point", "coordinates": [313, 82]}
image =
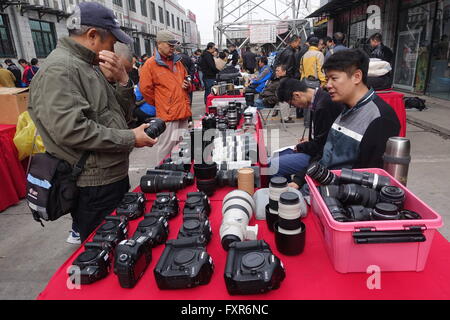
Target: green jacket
{"type": "Point", "coordinates": [76, 109]}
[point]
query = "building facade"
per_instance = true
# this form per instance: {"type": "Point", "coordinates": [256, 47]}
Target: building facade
{"type": "Point", "coordinates": [31, 28]}
{"type": "Point", "coordinates": [417, 31]}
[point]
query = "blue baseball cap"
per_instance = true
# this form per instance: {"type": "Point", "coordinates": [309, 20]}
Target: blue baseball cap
{"type": "Point", "coordinates": [96, 15]}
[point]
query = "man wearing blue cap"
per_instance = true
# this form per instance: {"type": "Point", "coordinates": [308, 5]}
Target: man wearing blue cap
{"type": "Point", "coordinates": [81, 101]}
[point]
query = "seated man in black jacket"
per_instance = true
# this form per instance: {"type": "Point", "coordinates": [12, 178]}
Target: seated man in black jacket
{"type": "Point", "coordinates": [324, 113]}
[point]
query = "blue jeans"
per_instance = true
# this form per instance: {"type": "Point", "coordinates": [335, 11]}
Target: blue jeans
{"type": "Point", "coordinates": [209, 83]}
{"type": "Point", "coordinates": [288, 163]}
{"type": "Point", "coordinates": [259, 104]}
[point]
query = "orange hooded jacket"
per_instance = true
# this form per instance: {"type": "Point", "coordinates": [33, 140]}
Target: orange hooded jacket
{"type": "Point", "coordinates": [162, 88]}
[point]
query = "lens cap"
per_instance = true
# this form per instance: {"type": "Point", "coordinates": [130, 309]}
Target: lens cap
{"type": "Point", "coordinates": [289, 198]}
{"type": "Point", "coordinates": [253, 260]}
{"type": "Point", "coordinates": [278, 182]}
{"type": "Point", "coordinates": [185, 256]}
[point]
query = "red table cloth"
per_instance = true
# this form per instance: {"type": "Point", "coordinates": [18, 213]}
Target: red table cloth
{"type": "Point", "coordinates": [212, 97]}
{"type": "Point", "coordinates": [12, 175]}
{"type": "Point", "coordinates": [308, 276]}
{"type": "Point", "coordinates": [395, 100]}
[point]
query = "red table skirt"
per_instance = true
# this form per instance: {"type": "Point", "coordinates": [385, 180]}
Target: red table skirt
{"type": "Point", "coordinates": [395, 100]}
{"type": "Point", "coordinates": [211, 97]}
{"type": "Point", "coordinates": [12, 175]}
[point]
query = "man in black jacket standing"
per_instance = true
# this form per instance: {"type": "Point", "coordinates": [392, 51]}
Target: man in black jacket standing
{"type": "Point", "coordinates": [15, 71]}
{"type": "Point", "coordinates": [208, 67]}
{"type": "Point", "coordinates": [249, 60]}
{"type": "Point", "coordinates": [234, 55]}
{"type": "Point", "coordinates": [289, 57]}
{"type": "Point", "coordinates": [324, 113]}
{"type": "Point", "coordinates": [379, 50]}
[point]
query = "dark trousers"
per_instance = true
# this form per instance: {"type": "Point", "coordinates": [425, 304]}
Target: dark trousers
{"type": "Point", "coordinates": [95, 203]}
{"type": "Point", "coordinates": [209, 83]}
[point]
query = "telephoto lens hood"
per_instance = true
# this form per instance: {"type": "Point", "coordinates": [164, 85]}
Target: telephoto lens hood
{"type": "Point", "coordinates": [207, 186]}
{"type": "Point", "coordinates": [278, 185]}
{"type": "Point", "coordinates": [205, 171]}
{"type": "Point", "coordinates": [290, 231]}
{"type": "Point", "coordinates": [394, 195]}
{"type": "Point", "coordinates": [386, 211]}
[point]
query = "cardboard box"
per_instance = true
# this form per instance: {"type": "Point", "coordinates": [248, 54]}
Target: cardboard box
{"type": "Point", "coordinates": [13, 101]}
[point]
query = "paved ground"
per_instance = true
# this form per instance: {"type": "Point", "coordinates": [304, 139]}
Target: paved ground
{"type": "Point", "coordinates": [30, 254]}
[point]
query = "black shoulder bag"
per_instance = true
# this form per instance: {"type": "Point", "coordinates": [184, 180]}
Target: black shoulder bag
{"type": "Point", "coordinates": [52, 190]}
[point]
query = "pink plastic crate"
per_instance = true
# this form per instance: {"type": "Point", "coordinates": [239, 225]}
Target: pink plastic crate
{"type": "Point", "coordinates": [348, 256]}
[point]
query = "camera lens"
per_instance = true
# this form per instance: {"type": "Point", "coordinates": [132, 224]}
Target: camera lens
{"type": "Point", "coordinates": [227, 178]}
{"type": "Point", "coordinates": [336, 209]}
{"type": "Point", "coordinates": [353, 194]}
{"type": "Point", "coordinates": [205, 171]}
{"type": "Point", "coordinates": [289, 212]}
{"type": "Point", "coordinates": [393, 195]}
{"type": "Point", "coordinates": [157, 128]}
{"type": "Point", "coordinates": [278, 185]}
{"type": "Point", "coordinates": [367, 179]}
{"type": "Point", "coordinates": [156, 183]}
{"type": "Point", "coordinates": [250, 99]}
{"type": "Point", "coordinates": [209, 122]}
{"type": "Point", "coordinates": [409, 215]}
{"type": "Point", "coordinates": [207, 186]}
{"type": "Point", "coordinates": [321, 174]}
{"type": "Point", "coordinates": [359, 213]}
{"type": "Point", "coordinates": [385, 211]}
{"type": "Point", "coordinates": [330, 191]}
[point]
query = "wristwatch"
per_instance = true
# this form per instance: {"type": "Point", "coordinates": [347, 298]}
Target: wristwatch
{"type": "Point", "coordinates": [129, 84]}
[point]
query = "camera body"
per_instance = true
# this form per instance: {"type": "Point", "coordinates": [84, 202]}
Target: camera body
{"type": "Point", "coordinates": [132, 205]}
{"type": "Point", "coordinates": [193, 227]}
{"type": "Point", "coordinates": [113, 231]}
{"type": "Point", "coordinates": [154, 227]}
{"type": "Point", "coordinates": [197, 205]}
{"type": "Point", "coordinates": [166, 204]}
{"type": "Point", "coordinates": [94, 263]}
{"type": "Point", "coordinates": [132, 259]}
{"type": "Point", "coordinates": [252, 268]}
{"type": "Point", "coordinates": [184, 264]}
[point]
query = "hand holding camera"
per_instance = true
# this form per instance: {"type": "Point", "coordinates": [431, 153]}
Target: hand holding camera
{"type": "Point", "coordinates": [141, 137]}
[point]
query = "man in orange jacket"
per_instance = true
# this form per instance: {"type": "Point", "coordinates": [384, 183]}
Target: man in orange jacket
{"type": "Point", "coordinates": [164, 85]}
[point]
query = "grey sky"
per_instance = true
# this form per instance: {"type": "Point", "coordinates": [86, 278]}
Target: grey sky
{"type": "Point", "coordinates": [205, 12]}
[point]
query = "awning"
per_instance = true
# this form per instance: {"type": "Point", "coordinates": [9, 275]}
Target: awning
{"type": "Point", "coordinates": [333, 7]}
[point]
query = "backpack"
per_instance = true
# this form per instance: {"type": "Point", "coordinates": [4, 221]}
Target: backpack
{"type": "Point", "coordinates": [415, 103]}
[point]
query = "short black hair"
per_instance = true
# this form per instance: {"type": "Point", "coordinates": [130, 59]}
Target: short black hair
{"type": "Point", "coordinates": [22, 61]}
{"type": "Point", "coordinates": [210, 45]}
{"type": "Point", "coordinates": [339, 38]}
{"type": "Point", "coordinates": [377, 37]}
{"type": "Point", "coordinates": [313, 41]}
{"type": "Point", "coordinates": [264, 60]}
{"type": "Point", "coordinates": [282, 66]}
{"type": "Point", "coordinates": [8, 61]}
{"type": "Point", "coordinates": [222, 55]}
{"type": "Point", "coordinates": [232, 45]}
{"type": "Point", "coordinates": [349, 61]}
{"type": "Point", "coordinates": [287, 88]}
{"type": "Point", "coordinates": [294, 38]}
{"type": "Point", "coordinates": [34, 61]}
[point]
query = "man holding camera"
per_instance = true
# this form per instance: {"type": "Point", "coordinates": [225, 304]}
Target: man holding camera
{"type": "Point", "coordinates": [81, 102]}
{"type": "Point", "coordinates": [164, 84]}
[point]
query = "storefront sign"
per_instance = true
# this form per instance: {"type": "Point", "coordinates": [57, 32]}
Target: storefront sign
{"type": "Point", "coordinates": [320, 22]}
{"type": "Point", "coordinates": [374, 19]}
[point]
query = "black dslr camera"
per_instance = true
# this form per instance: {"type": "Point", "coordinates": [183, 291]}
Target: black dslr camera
{"type": "Point", "coordinates": [157, 128]}
{"type": "Point", "coordinates": [166, 205]}
{"type": "Point", "coordinates": [153, 227]}
{"type": "Point", "coordinates": [93, 264]}
{"type": "Point", "coordinates": [193, 227]}
{"type": "Point", "coordinates": [184, 264]}
{"type": "Point", "coordinates": [132, 205]}
{"type": "Point", "coordinates": [252, 268]}
{"type": "Point", "coordinates": [114, 230]}
{"type": "Point", "coordinates": [132, 259]}
{"type": "Point", "coordinates": [197, 205]}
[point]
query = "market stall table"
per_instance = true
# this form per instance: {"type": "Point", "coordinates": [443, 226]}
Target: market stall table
{"type": "Point", "coordinates": [12, 175]}
{"type": "Point", "coordinates": [211, 98]}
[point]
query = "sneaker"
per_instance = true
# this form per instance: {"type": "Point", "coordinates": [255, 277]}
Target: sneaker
{"type": "Point", "coordinates": [289, 120]}
{"type": "Point", "coordinates": [275, 114]}
{"type": "Point", "coordinates": [74, 237]}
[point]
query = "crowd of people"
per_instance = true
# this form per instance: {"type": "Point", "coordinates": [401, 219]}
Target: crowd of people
{"type": "Point", "coordinates": [113, 95]}
{"type": "Point", "coordinates": [13, 77]}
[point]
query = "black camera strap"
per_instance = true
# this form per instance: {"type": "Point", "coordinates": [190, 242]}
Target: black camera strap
{"type": "Point", "coordinates": [79, 166]}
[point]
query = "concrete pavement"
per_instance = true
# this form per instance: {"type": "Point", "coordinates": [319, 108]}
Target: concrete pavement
{"type": "Point", "coordinates": [30, 254]}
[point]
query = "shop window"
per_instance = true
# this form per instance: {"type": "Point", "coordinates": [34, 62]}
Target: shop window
{"type": "Point", "coordinates": [137, 46]}
{"type": "Point", "coordinates": [6, 43]}
{"type": "Point", "coordinates": [44, 37]}
{"type": "Point", "coordinates": [439, 80]}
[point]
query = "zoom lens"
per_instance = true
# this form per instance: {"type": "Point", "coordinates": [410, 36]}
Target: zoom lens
{"type": "Point", "coordinates": [321, 174]}
{"type": "Point", "coordinates": [330, 191]}
{"type": "Point", "coordinates": [359, 213]}
{"type": "Point", "coordinates": [353, 194]}
{"type": "Point", "coordinates": [367, 179]}
{"type": "Point", "coordinates": [207, 186]}
{"type": "Point", "coordinates": [393, 195]}
{"type": "Point", "coordinates": [157, 128]}
{"type": "Point", "coordinates": [227, 178]}
{"type": "Point", "coordinates": [385, 211]}
{"type": "Point", "coordinates": [337, 210]}
{"type": "Point", "coordinates": [158, 183]}
{"type": "Point", "coordinates": [278, 185]}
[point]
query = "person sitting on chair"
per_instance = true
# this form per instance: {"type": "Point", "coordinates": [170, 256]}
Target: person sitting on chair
{"type": "Point", "coordinates": [143, 111]}
{"type": "Point", "coordinates": [265, 73]}
{"type": "Point", "coordinates": [324, 113]}
{"type": "Point", "coordinates": [269, 99]}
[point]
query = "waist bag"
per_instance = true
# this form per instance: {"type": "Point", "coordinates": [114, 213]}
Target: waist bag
{"type": "Point", "coordinates": [52, 190]}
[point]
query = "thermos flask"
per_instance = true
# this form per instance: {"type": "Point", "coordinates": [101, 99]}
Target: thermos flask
{"type": "Point", "coordinates": [397, 158]}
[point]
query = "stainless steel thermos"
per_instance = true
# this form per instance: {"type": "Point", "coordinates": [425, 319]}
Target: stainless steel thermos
{"type": "Point", "coordinates": [397, 158]}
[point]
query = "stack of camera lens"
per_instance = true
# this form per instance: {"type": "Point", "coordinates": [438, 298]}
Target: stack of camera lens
{"type": "Point", "coordinates": [232, 116]}
{"type": "Point", "coordinates": [94, 263]}
{"type": "Point", "coordinates": [252, 268]}
{"type": "Point", "coordinates": [132, 206]}
{"type": "Point", "coordinates": [206, 177]}
{"type": "Point", "coordinates": [290, 231]}
{"type": "Point", "coordinates": [278, 185]}
{"type": "Point", "coordinates": [157, 180]}
{"type": "Point", "coordinates": [361, 196]}
{"type": "Point", "coordinates": [185, 262]}
{"type": "Point", "coordinates": [238, 208]}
